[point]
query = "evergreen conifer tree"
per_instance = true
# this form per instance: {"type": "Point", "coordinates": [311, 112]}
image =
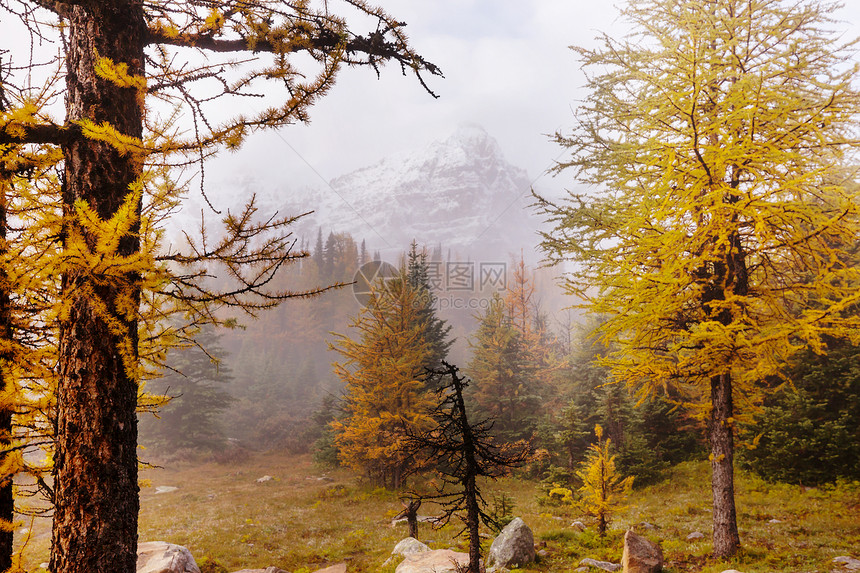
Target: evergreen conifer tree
{"type": "Point", "coordinates": [716, 239]}
{"type": "Point", "coordinates": [195, 382]}
{"type": "Point", "coordinates": [383, 365]}
{"type": "Point", "coordinates": [436, 330]}
{"type": "Point", "coordinates": [503, 376]}
{"type": "Point", "coordinates": [319, 251]}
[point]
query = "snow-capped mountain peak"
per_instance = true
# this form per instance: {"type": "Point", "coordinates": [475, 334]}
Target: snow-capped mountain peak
{"type": "Point", "coordinates": [460, 192]}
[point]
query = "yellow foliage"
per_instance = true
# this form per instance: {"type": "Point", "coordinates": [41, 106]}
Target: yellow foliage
{"type": "Point", "coordinates": [603, 489]}
{"type": "Point", "coordinates": [214, 21]}
{"type": "Point", "coordinates": [60, 252]}
{"type": "Point", "coordinates": [118, 74]}
{"type": "Point", "coordinates": [720, 233]}
{"type": "Point", "coordinates": [106, 133]}
{"type": "Point", "coordinates": [384, 394]}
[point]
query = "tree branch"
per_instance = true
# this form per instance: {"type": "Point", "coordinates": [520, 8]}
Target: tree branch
{"type": "Point", "coordinates": [59, 7]}
{"type": "Point", "coordinates": [42, 134]}
{"type": "Point", "coordinates": [373, 45]}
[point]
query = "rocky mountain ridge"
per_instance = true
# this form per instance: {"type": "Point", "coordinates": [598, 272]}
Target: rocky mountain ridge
{"type": "Point", "coordinates": [460, 193]}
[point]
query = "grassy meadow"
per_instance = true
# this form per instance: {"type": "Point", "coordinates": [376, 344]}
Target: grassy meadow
{"type": "Point", "coordinates": [306, 518]}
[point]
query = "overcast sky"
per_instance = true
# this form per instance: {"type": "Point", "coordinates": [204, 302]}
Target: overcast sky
{"type": "Point", "coordinates": [507, 67]}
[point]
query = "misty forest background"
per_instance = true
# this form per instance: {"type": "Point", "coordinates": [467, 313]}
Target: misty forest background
{"type": "Point", "coordinates": [434, 328]}
{"type": "Point", "coordinates": [268, 384]}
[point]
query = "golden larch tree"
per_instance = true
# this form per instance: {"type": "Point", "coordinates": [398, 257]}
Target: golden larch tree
{"type": "Point", "coordinates": [718, 139]}
{"type": "Point", "coordinates": [115, 60]}
{"type": "Point", "coordinates": [603, 489]}
{"type": "Point", "coordinates": [386, 395]}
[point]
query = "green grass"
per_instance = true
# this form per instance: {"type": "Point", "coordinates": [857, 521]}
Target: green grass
{"type": "Point", "coordinates": [307, 518]}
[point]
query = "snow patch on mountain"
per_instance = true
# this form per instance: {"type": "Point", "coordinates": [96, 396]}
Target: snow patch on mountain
{"type": "Point", "coordinates": [461, 193]}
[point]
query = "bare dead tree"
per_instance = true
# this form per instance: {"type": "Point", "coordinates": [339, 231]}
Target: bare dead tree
{"type": "Point", "coordinates": [461, 452]}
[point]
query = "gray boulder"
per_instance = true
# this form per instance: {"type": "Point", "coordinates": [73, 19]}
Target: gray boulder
{"type": "Point", "coordinates": [163, 557]}
{"type": "Point", "coordinates": [409, 546]}
{"type": "Point", "coordinates": [514, 547]}
{"type": "Point", "coordinates": [436, 561]}
{"type": "Point", "coordinates": [696, 536]}
{"type": "Point", "coordinates": [640, 555]}
{"type": "Point", "coordinates": [404, 547]}
{"type": "Point", "coordinates": [846, 563]}
{"type": "Point", "coordinates": [605, 565]}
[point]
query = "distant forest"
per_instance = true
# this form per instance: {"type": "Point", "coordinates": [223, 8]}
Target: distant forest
{"type": "Point", "coordinates": [534, 371]}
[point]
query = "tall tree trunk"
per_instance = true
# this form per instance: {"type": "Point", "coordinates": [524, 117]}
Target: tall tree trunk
{"type": "Point", "coordinates": [473, 518]}
{"type": "Point", "coordinates": [7, 502]}
{"type": "Point", "coordinates": [470, 474]}
{"type": "Point", "coordinates": [726, 538]}
{"type": "Point", "coordinates": [96, 491]}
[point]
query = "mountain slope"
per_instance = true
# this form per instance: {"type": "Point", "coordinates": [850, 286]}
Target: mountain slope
{"type": "Point", "coordinates": [461, 193]}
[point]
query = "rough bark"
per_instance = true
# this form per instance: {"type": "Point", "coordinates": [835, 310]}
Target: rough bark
{"type": "Point", "coordinates": [470, 474]}
{"type": "Point", "coordinates": [96, 491]}
{"type": "Point", "coordinates": [473, 520]}
{"type": "Point", "coordinates": [733, 273]}
{"type": "Point", "coordinates": [7, 502]}
{"type": "Point", "coordinates": [726, 538]}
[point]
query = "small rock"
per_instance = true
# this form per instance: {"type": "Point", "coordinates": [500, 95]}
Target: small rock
{"type": "Point", "coordinates": [774, 521]}
{"type": "Point", "coordinates": [731, 571]}
{"type": "Point", "coordinates": [581, 570]}
{"type": "Point", "coordinates": [437, 561]}
{"type": "Point", "coordinates": [847, 563]}
{"type": "Point", "coordinates": [339, 568]}
{"type": "Point", "coordinates": [543, 553]}
{"type": "Point", "coordinates": [641, 555]}
{"type": "Point", "coordinates": [695, 536]}
{"type": "Point", "coordinates": [165, 489]}
{"type": "Point", "coordinates": [404, 547]}
{"type": "Point", "coordinates": [44, 565]}
{"type": "Point", "coordinates": [648, 526]}
{"type": "Point", "coordinates": [578, 525]}
{"type": "Point", "coordinates": [409, 546]}
{"type": "Point", "coordinates": [271, 569]}
{"type": "Point", "coordinates": [163, 557]}
{"type": "Point", "coordinates": [514, 547]}
{"type": "Point", "coordinates": [264, 479]}
{"type": "Point", "coordinates": [605, 565]}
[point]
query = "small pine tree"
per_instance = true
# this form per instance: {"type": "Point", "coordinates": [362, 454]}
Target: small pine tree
{"type": "Point", "coordinates": [504, 377]}
{"type": "Point", "coordinates": [198, 398]}
{"type": "Point", "coordinates": [319, 249]}
{"type": "Point", "coordinates": [603, 490]}
{"type": "Point", "coordinates": [382, 364]}
{"type": "Point", "coordinates": [436, 330]}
